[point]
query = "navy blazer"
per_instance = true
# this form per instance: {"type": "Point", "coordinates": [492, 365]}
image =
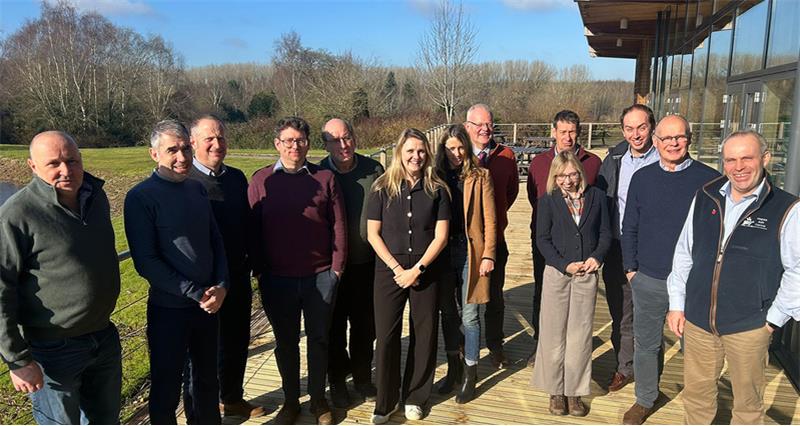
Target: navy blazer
{"type": "Point", "coordinates": [561, 241]}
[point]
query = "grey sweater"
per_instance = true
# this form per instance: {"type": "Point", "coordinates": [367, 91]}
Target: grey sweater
{"type": "Point", "coordinates": [59, 275]}
{"type": "Point", "coordinates": [174, 241]}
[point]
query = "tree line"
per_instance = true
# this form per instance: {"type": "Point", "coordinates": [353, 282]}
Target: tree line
{"type": "Point", "coordinates": [77, 71]}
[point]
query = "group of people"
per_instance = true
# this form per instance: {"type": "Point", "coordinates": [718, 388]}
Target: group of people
{"type": "Point", "coordinates": [346, 245]}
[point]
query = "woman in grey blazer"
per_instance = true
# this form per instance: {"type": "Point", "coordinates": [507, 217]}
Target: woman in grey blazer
{"type": "Point", "coordinates": [573, 233]}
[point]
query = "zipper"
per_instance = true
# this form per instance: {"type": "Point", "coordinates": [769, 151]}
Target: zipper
{"type": "Point", "coordinates": [712, 314]}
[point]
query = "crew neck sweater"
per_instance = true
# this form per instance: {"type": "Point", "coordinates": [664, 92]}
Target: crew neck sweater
{"type": "Point", "coordinates": [227, 194]}
{"type": "Point", "coordinates": [657, 205]}
{"type": "Point", "coordinates": [174, 241]}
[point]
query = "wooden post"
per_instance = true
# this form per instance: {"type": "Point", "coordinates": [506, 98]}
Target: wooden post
{"type": "Point", "coordinates": [589, 142]}
{"type": "Point", "coordinates": [514, 138]}
{"type": "Point", "coordinates": [382, 158]}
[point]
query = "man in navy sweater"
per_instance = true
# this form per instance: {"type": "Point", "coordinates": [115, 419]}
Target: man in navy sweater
{"type": "Point", "coordinates": [226, 187]}
{"type": "Point", "coordinates": [177, 248]}
{"type": "Point", "coordinates": [658, 200]}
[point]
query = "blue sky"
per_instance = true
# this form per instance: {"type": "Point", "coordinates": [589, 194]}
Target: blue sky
{"type": "Point", "coordinates": [216, 32]}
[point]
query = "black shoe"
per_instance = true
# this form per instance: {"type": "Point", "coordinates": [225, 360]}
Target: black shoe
{"type": "Point", "coordinates": [367, 390]}
{"type": "Point", "coordinates": [339, 395]}
{"type": "Point", "coordinates": [467, 391]}
{"type": "Point", "coordinates": [455, 370]}
{"type": "Point", "coordinates": [288, 413]}
{"type": "Point", "coordinates": [321, 412]}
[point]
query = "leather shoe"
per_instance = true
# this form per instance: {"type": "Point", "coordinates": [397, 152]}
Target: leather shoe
{"type": "Point", "coordinates": [636, 415]}
{"type": "Point", "coordinates": [339, 395]}
{"type": "Point", "coordinates": [321, 411]}
{"type": "Point", "coordinates": [367, 390]}
{"type": "Point", "coordinates": [558, 405]}
{"type": "Point", "coordinates": [576, 407]}
{"type": "Point", "coordinates": [498, 359]}
{"type": "Point", "coordinates": [288, 413]}
{"type": "Point", "coordinates": [618, 382]}
{"type": "Point", "coordinates": [242, 408]}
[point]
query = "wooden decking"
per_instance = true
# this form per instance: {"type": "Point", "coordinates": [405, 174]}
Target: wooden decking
{"type": "Point", "coordinates": [505, 396]}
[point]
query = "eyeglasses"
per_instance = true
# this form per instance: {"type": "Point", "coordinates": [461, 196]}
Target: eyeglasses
{"type": "Point", "coordinates": [670, 139]}
{"type": "Point", "coordinates": [571, 176]}
{"type": "Point", "coordinates": [481, 125]}
{"type": "Point", "coordinates": [301, 142]}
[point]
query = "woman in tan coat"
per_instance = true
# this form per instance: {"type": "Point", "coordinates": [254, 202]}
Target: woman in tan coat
{"type": "Point", "coordinates": [472, 254]}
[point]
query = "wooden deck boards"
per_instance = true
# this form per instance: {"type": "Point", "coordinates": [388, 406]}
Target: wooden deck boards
{"type": "Point", "coordinates": [505, 396]}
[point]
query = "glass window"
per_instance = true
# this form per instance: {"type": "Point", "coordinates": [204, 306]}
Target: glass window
{"type": "Point", "coordinates": [676, 71]}
{"type": "Point", "coordinates": [714, 95]}
{"type": "Point", "coordinates": [748, 41]}
{"type": "Point", "coordinates": [719, 4]}
{"type": "Point", "coordinates": [776, 123]}
{"type": "Point", "coordinates": [686, 70]}
{"type": "Point", "coordinates": [784, 33]}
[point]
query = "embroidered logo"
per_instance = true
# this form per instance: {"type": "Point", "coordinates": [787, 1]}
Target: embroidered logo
{"type": "Point", "coordinates": [755, 223]}
{"type": "Point", "coordinates": [713, 212]}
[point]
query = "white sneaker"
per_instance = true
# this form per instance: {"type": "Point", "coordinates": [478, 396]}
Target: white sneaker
{"type": "Point", "coordinates": [379, 419]}
{"type": "Point", "coordinates": [414, 412]}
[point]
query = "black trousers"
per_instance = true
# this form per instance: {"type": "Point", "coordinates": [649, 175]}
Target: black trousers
{"type": "Point", "coordinates": [495, 309]}
{"type": "Point", "coordinates": [354, 304]}
{"type": "Point", "coordinates": [449, 304]}
{"type": "Point", "coordinates": [538, 282]}
{"type": "Point", "coordinates": [390, 301]}
{"type": "Point", "coordinates": [234, 338]}
{"type": "Point", "coordinates": [620, 306]}
{"type": "Point", "coordinates": [284, 298]}
{"type": "Point", "coordinates": [172, 336]}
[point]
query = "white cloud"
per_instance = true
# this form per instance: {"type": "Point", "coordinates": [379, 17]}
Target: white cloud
{"type": "Point", "coordinates": [112, 7]}
{"type": "Point", "coordinates": [537, 4]}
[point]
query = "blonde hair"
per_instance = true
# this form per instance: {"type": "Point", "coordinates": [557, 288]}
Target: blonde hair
{"type": "Point", "coordinates": [560, 163]}
{"type": "Point", "coordinates": [391, 181]}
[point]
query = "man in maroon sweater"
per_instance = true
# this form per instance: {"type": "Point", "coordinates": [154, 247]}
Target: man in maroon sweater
{"type": "Point", "coordinates": [299, 247]}
{"type": "Point", "coordinates": [566, 130]}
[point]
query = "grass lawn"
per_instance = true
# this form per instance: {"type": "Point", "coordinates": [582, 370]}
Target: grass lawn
{"type": "Point", "coordinates": [121, 168]}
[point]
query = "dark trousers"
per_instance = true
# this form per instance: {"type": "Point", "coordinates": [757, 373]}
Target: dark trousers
{"type": "Point", "coordinates": [538, 282]}
{"type": "Point", "coordinates": [620, 306]}
{"type": "Point", "coordinates": [390, 301]}
{"type": "Point", "coordinates": [496, 307]}
{"type": "Point", "coordinates": [354, 304]}
{"type": "Point", "coordinates": [82, 379]}
{"type": "Point", "coordinates": [172, 335]}
{"type": "Point", "coordinates": [234, 338]}
{"type": "Point", "coordinates": [449, 291]}
{"type": "Point", "coordinates": [284, 298]}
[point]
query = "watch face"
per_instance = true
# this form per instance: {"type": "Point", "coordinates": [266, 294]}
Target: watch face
{"type": "Point", "coordinates": [422, 268]}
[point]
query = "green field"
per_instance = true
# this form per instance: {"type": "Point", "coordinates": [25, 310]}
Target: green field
{"type": "Point", "coordinates": [121, 168]}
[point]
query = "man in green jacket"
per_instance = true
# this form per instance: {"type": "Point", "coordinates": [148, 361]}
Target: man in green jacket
{"type": "Point", "coordinates": [59, 283]}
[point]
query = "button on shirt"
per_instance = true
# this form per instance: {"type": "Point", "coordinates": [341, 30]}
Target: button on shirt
{"type": "Point", "coordinates": [785, 304]}
{"type": "Point", "coordinates": [409, 220]}
{"type": "Point", "coordinates": [628, 166]}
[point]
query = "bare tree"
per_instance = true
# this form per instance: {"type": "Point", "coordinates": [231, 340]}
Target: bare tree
{"type": "Point", "coordinates": [445, 53]}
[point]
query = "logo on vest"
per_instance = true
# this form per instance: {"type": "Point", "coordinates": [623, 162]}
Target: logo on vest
{"type": "Point", "coordinates": [755, 223]}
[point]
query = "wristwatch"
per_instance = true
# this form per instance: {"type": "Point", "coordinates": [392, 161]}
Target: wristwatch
{"type": "Point", "coordinates": [628, 271]}
{"type": "Point", "coordinates": [774, 326]}
{"type": "Point", "coordinates": [422, 268]}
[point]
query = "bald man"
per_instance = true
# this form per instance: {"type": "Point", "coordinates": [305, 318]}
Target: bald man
{"type": "Point", "coordinates": [355, 174]}
{"type": "Point", "coordinates": [658, 200]}
{"type": "Point", "coordinates": [59, 282]}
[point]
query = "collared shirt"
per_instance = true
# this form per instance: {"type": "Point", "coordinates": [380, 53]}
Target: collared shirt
{"type": "Point", "coordinates": [686, 163]}
{"type": "Point", "coordinates": [628, 166]}
{"type": "Point", "coordinates": [787, 301]}
{"type": "Point", "coordinates": [206, 171]}
{"type": "Point", "coordinates": [279, 167]}
{"type": "Point", "coordinates": [333, 167]}
{"type": "Point", "coordinates": [487, 149]}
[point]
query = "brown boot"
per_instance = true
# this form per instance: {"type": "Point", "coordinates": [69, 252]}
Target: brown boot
{"type": "Point", "coordinates": [576, 407]}
{"type": "Point", "coordinates": [558, 405]}
{"type": "Point", "coordinates": [499, 359]}
{"type": "Point", "coordinates": [636, 415]}
{"type": "Point", "coordinates": [618, 382]}
{"type": "Point", "coordinates": [288, 413]}
{"type": "Point", "coordinates": [242, 408]}
{"type": "Point", "coordinates": [321, 411]}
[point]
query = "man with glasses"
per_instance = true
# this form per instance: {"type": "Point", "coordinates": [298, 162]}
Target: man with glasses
{"type": "Point", "coordinates": [502, 165]}
{"type": "Point", "coordinates": [299, 250]}
{"type": "Point", "coordinates": [355, 174]}
{"type": "Point", "coordinates": [622, 161]}
{"type": "Point", "coordinates": [566, 131]}
{"type": "Point", "coordinates": [658, 200]}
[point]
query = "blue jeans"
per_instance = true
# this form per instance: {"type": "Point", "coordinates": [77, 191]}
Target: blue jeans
{"type": "Point", "coordinates": [469, 311]}
{"type": "Point", "coordinates": [82, 379]}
